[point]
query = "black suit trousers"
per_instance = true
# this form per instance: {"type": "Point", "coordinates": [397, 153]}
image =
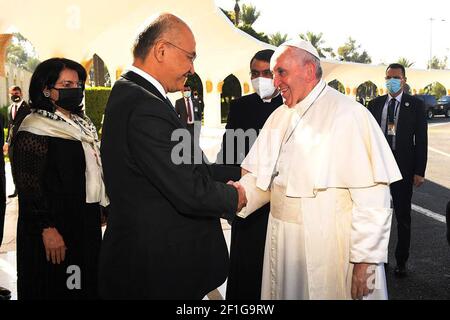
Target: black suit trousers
{"type": "Point", "coordinates": [248, 238]}
{"type": "Point", "coordinates": [401, 192]}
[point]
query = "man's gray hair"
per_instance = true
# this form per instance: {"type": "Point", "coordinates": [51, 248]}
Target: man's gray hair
{"type": "Point", "coordinates": [309, 58]}
{"type": "Point", "coordinates": [152, 33]}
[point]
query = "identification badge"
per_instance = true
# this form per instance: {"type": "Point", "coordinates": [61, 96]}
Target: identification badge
{"type": "Point", "coordinates": [391, 129]}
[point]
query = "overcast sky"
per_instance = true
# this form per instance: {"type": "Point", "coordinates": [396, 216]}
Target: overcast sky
{"type": "Point", "coordinates": [386, 29]}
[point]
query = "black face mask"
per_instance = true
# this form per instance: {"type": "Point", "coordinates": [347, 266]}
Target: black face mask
{"type": "Point", "coordinates": [15, 98]}
{"type": "Point", "coordinates": [70, 99]}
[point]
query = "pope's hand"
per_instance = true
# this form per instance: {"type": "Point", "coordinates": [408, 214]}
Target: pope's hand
{"type": "Point", "coordinates": [362, 280]}
{"type": "Point", "coordinates": [242, 199]}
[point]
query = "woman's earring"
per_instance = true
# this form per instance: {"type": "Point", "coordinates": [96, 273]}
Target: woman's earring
{"type": "Point", "coordinates": [47, 93]}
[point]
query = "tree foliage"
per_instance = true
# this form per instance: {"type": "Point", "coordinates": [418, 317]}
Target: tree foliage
{"type": "Point", "coordinates": [405, 62]}
{"type": "Point", "coordinates": [277, 39]}
{"type": "Point", "coordinates": [318, 42]}
{"type": "Point", "coordinates": [21, 53]}
{"type": "Point", "coordinates": [249, 14]}
{"type": "Point", "coordinates": [437, 63]}
{"type": "Point", "coordinates": [349, 52]}
{"type": "Point", "coordinates": [258, 35]}
{"type": "Point", "coordinates": [435, 89]}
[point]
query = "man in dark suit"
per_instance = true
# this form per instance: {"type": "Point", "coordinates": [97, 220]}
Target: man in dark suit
{"type": "Point", "coordinates": [17, 111]}
{"type": "Point", "coordinates": [164, 238]}
{"type": "Point", "coordinates": [5, 294]}
{"type": "Point", "coordinates": [402, 119]}
{"type": "Point", "coordinates": [189, 110]}
{"type": "Point", "coordinates": [248, 235]}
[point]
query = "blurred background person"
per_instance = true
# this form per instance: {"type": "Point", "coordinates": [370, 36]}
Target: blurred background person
{"type": "Point", "coordinates": [17, 111]}
{"type": "Point", "coordinates": [190, 111]}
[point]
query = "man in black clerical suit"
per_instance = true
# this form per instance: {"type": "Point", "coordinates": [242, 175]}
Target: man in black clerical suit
{"type": "Point", "coordinates": [17, 111]}
{"type": "Point", "coordinates": [402, 119]}
{"type": "Point", "coordinates": [248, 235]}
{"type": "Point", "coordinates": [164, 238]}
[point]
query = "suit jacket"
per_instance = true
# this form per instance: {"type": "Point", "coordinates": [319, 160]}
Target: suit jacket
{"type": "Point", "coordinates": [14, 124]}
{"type": "Point", "coordinates": [164, 238]}
{"type": "Point", "coordinates": [411, 134]}
{"type": "Point", "coordinates": [180, 107]}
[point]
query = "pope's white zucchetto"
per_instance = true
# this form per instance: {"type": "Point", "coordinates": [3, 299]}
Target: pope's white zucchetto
{"type": "Point", "coordinates": [302, 44]}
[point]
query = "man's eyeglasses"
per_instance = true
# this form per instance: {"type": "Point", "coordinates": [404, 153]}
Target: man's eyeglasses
{"type": "Point", "coordinates": [265, 73]}
{"type": "Point", "coordinates": [191, 55]}
{"type": "Point", "coordinates": [69, 84]}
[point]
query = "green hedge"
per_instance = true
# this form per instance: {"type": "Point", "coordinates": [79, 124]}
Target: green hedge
{"type": "Point", "coordinates": [4, 114]}
{"type": "Point", "coordinates": [96, 99]}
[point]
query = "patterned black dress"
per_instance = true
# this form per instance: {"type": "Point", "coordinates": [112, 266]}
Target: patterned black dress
{"type": "Point", "coordinates": [50, 180]}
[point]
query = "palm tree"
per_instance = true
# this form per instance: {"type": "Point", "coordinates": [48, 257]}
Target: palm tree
{"type": "Point", "coordinates": [277, 39]}
{"type": "Point", "coordinates": [349, 52]}
{"type": "Point", "coordinates": [249, 14]}
{"type": "Point", "coordinates": [317, 42]}
{"type": "Point", "coordinates": [436, 63]}
{"type": "Point", "coordinates": [405, 62]}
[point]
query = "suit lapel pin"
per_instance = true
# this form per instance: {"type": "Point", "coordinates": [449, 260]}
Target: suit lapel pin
{"type": "Point", "coordinates": [406, 104]}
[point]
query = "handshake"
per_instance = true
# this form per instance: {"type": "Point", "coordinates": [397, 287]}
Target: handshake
{"type": "Point", "coordinates": [242, 199]}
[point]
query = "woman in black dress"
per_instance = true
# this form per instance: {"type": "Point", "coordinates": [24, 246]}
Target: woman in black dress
{"type": "Point", "coordinates": [60, 185]}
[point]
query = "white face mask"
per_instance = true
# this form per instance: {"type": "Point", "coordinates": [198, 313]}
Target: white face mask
{"type": "Point", "coordinates": [263, 87]}
{"type": "Point", "coordinates": [187, 94]}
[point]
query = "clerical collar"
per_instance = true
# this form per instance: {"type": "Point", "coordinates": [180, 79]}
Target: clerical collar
{"type": "Point", "coordinates": [310, 98]}
{"type": "Point", "coordinates": [149, 78]}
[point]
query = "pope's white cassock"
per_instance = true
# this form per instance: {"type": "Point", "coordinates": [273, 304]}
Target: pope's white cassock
{"type": "Point", "coordinates": [325, 167]}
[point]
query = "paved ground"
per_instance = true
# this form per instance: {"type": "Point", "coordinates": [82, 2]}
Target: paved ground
{"type": "Point", "coordinates": [429, 265]}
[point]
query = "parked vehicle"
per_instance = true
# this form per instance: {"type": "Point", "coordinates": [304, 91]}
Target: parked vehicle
{"type": "Point", "coordinates": [430, 104]}
{"type": "Point", "coordinates": [443, 106]}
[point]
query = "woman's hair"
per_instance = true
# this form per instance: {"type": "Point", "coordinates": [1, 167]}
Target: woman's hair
{"type": "Point", "coordinates": [46, 75]}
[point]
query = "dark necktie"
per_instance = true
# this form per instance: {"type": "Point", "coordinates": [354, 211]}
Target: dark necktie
{"type": "Point", "coordinates": [189, 112]}
{"type": "Point", "coordinates": [390, 120]}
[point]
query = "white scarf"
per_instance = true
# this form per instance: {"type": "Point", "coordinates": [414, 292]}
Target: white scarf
{"type": "Point", "coordinates": [56, 125]}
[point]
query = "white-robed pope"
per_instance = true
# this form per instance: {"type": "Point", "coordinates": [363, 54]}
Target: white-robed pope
{"type": "Point", "coordinates": [325, 166]}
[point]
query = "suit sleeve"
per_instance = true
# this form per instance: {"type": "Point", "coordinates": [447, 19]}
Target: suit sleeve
{"type": "Point", "coordinates": [421, 141]}
{"type": "Point", "coordinates": [189, 187]}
